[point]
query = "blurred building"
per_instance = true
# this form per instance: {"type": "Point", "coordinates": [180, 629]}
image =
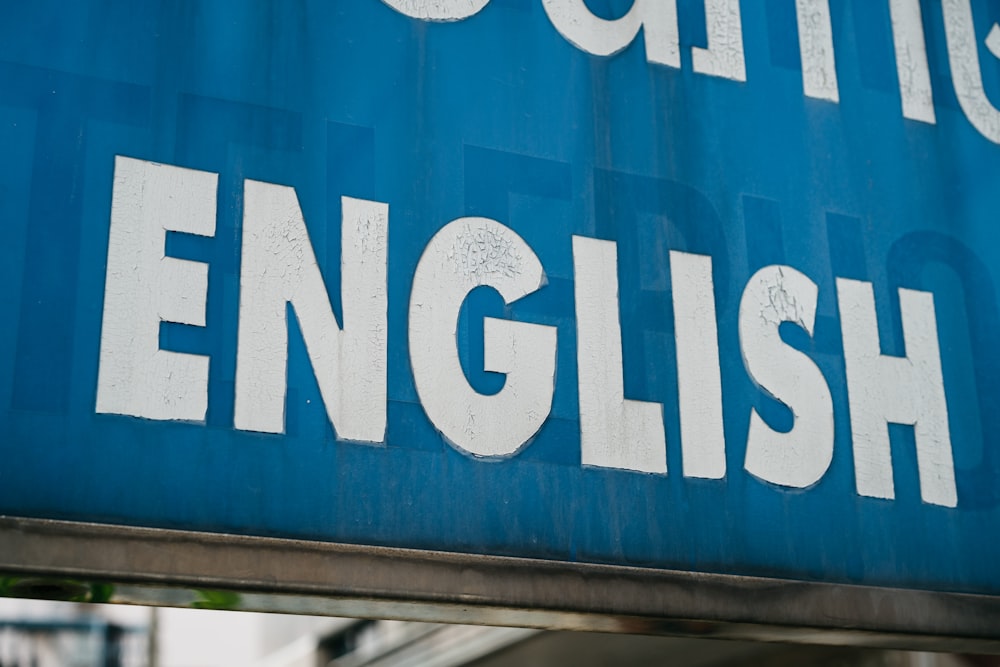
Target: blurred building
{"type": "Point", "coordinates": [58, 634]}
{"type": "Point", "coordinates": [53, 634]}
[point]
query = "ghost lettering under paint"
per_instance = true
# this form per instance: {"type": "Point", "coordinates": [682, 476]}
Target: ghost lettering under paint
{"type": "Point", "coordinates": [724, 54]}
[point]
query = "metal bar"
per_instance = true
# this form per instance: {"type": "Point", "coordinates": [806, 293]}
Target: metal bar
{"type": "Point", "coordinates": [298, 576]}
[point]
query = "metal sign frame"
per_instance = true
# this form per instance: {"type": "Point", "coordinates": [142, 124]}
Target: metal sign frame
{"type": "Point", "coordinates": [153, 376]}
{"type": "Point", "coordinates": [176, 568]}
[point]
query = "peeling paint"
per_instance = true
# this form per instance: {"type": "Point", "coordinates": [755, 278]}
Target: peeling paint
{"type": "Point", "coordinates": [484, 251]}
{"type": "Point", "coordinates": [911, 60]}
{"type": "Point", "coordinates": [724, 56]}
{"type": "Point", "coordinates": [819, 70]}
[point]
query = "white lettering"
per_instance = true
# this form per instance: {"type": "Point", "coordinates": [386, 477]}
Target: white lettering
{"type": "Point", "coordinates": [279, 268]}
{"type": "Point", "coordinates": [601, 37]}
{"type": "Point", "coordinates": [465, 254]}
{"type": "Point", "coordinates": [963, 59]}
{"type": "Point", "coordinates": [438, 10]}
{"type": "Point", "coordinates": [800, 457]}
{"type": "Point", "coordinates": [819, 64]}
{"type": "Point", "coordinates": [724, 55]}
{"type": "Point", "coordinates": [901, 390]}
{"type": "Point", "coordinates": [911, 60]}
{"type": "Point", "coordinates": [615, 432]}
{"type": "Point", "coordinates": [144, 287]}
{"type": "Point", "coordinates": [699, 384]}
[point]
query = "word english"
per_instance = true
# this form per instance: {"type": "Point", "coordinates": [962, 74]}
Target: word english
{"type": "Point", "coordinates": [278, 269]}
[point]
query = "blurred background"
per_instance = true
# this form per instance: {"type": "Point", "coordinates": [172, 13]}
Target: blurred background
{"type": "Point", "coordinates": [39, 633]}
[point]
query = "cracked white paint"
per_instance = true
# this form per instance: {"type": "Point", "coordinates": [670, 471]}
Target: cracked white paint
{"type": "Point", "coordinates": [466, 254]}
{"type": "Point", "coordinates": [615, 432]}
{"type": "Point", "coordinates": [819, 66]}
{"type": "Point", "coordinates": [966, 74]}
{"type": "Point", "coordinates": [724, 55]}
{"type": "Point", "coordinates": [911, 60]}
{"type": "Point", "coordinates": [438, 10]}
{"type": "Point", "coordinates": [603, 37]}
{"type": "Point", "coordinates": [699, 381]}
{"type": "Point", "coordinates": [144, 287]}
{"type": "Point", "coordinates": [901, 390]}
{"type": "Point", "coordinates": [278, 268]}
{"type": "Point", "coordinates": [801, 456]}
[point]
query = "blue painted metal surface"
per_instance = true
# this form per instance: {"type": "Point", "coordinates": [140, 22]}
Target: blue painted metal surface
{"type": "Point", "coordinates": [497, 116]}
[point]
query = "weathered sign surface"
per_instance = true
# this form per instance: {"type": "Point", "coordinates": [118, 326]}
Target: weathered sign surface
{"type": "Point", "coordinates": [704, 286]}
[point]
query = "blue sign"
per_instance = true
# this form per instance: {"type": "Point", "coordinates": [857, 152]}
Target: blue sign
{"type": "Point", "coordinates": [698, 285]}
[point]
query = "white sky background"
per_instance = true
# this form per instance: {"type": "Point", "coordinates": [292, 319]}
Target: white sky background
{"type": "Point", "coordinates": [205, 638]}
